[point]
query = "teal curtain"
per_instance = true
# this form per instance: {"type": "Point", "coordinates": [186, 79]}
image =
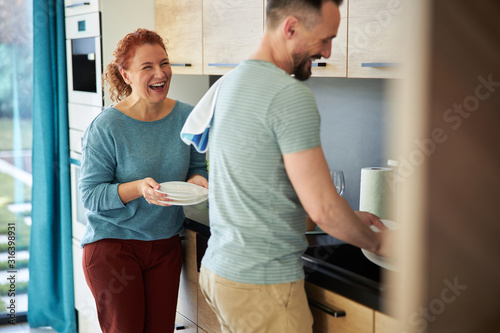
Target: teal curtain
{"type": "Point", "coordinates": [50, 290]}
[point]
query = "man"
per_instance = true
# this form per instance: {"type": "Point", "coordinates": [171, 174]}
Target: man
{"type": "Point", "coordinates": [267, 169]}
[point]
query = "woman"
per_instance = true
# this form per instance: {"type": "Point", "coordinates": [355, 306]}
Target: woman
{"type": "Point", "coordinates": [132, 253]}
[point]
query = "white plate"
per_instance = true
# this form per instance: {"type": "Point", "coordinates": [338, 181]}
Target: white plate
{"type": "Point", "coordinates": [184, 198]}
{"type": "Point", "coordinates": [187, 202]}
{"type": "Point", "coordinates": [182, 190]}
{"type": "Point", "coordinates": [387, 263]}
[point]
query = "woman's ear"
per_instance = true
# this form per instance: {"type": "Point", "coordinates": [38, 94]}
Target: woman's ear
{"type": "Point", "coordinates": [125, 76]}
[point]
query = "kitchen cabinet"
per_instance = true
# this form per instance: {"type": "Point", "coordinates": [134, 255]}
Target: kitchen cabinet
{"type": "Point", "coordinates": [209, 37]}
{"type": "Point", "coordinates": [212, 37]}
{"type": "Point", "coordinates": [179, 23]}
{"type": "Point", "coordinates": [352, 316]}
{"type": "Point", "coordinates": [373, 39]}
{"type": "Point", "coordinates": [231, 32]}
{"type": "Point", "coordinates": [357, 319]}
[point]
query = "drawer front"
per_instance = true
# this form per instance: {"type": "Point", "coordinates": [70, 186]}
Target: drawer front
{"type": "Point", "coordinates": [358, 318]}
{"type": "Point", "coordinates": [80, 116]}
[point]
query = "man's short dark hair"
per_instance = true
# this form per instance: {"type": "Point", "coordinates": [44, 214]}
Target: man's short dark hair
{"type": "Point", "coordinates": [277, 10]}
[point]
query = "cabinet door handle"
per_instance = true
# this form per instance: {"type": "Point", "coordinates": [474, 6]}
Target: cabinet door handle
{"type": "Point", "coordinates": [380, 64]}
{"type": "Point", "coordinates": [222, 65]}
{"type": "Point", "coordinates": [318, 64]}
{"type": "Point", "coordinates": [78, 4]}
{"type": "Point", "coordinates": [179, 327]}
{"type": "Point", "coordinates": [181, 65]}
{"type": "Point", "coordinates": [331, 311]}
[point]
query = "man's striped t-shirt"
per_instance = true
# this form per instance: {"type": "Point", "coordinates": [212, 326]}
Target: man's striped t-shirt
{"type": "Point", "coordinates": [257, 221]}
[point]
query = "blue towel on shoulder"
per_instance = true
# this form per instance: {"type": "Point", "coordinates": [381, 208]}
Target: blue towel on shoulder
{"type": "Point", "coordinates": [196, 128]}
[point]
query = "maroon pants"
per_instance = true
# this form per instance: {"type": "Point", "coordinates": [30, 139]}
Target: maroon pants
{"type": "Point", "coordinates": [135, 283]}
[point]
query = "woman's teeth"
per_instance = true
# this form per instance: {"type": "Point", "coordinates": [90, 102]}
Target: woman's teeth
{"type": "Point", "coordinates": [157, 85]}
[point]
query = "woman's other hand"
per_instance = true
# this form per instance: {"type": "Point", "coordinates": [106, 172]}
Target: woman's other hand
{"type": "Point", "coordinates": [198, 180]}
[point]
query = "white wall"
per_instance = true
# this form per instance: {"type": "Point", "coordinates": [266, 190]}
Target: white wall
{"type": "Point", "coordinates": [188, 88]}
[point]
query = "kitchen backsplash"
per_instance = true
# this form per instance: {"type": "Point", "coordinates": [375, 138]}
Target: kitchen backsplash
{"type": "Point", "coordinates": [353, 126]}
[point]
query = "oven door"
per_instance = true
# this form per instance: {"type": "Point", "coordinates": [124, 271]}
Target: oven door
{"type": "Point", "coordinates": [84, 59]}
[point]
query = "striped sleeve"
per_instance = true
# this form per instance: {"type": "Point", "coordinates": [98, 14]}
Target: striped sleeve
{"type": "Point", "coordinates": [294, 119]}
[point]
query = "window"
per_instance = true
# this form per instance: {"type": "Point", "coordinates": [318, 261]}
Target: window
{"type": "Point", "coordinates": [16, 91]}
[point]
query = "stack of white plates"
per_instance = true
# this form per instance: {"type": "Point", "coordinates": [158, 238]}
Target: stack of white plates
{"type": "Point", "coordinates": [183, 194]}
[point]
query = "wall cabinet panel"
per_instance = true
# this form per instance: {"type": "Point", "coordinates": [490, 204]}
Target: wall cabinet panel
{"type": "Point", "coordinates": [180, 24]}
{"type": "Point", "coordinates": [231, 32]}
{"type": "Point", "coordinates": [212, 37]}
{"type": "Point", "coordinates": [373, 38]}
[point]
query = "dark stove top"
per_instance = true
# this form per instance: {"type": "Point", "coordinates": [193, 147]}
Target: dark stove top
{"type": "Point", "coordinates": [331, 251]}
{"type": "Point", "coordinates": [343, 268]}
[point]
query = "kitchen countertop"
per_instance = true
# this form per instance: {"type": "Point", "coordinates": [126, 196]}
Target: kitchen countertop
{"type": "Point", "coordinates": [328, 263]}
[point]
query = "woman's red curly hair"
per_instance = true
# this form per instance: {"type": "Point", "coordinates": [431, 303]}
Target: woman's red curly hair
{"type": "Point", "coordinates": [124, 52]}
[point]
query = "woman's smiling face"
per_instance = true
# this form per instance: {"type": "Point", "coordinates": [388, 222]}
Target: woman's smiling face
{"type": "Point", "coordinates": [149, 73]}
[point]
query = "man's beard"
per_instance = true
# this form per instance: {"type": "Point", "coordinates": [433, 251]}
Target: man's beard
{"type": "Point", "coordinates": [301, 71]}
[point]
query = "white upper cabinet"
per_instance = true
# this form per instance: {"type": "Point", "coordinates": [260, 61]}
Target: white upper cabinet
{"type": "Point", "coordinates": [232, 29]}
{"type": "Point", "coordinates": [211, 37]}
{"type": "Point", "coordinates": [180, 24]}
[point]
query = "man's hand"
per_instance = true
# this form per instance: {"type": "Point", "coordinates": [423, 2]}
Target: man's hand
{"type": "Point", "coordinates": [370, 219]}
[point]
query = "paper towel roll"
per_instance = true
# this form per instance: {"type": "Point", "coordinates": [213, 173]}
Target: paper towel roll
{"type": "Point", "coordinates": [376, 193]}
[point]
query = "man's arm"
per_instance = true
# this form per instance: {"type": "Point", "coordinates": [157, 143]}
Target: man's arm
{"type": "Point", "coordinates": [310, 177]}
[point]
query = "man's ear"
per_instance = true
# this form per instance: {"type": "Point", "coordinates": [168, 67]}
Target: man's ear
{"type": "Point", "coordinates": [290, 26]}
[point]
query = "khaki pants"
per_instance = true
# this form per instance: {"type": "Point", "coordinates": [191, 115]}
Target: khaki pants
{"type": "Point", "coordinates": [243, 308]}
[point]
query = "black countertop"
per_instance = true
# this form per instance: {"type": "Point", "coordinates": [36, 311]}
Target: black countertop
{"type": "Point", "coordinates": [344, 269]}
{"type": "Point", "coordinates": [330, 264]}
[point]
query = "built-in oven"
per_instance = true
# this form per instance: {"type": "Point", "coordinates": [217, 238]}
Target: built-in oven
{"type": "Point", "coordinates": [84, 59]}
